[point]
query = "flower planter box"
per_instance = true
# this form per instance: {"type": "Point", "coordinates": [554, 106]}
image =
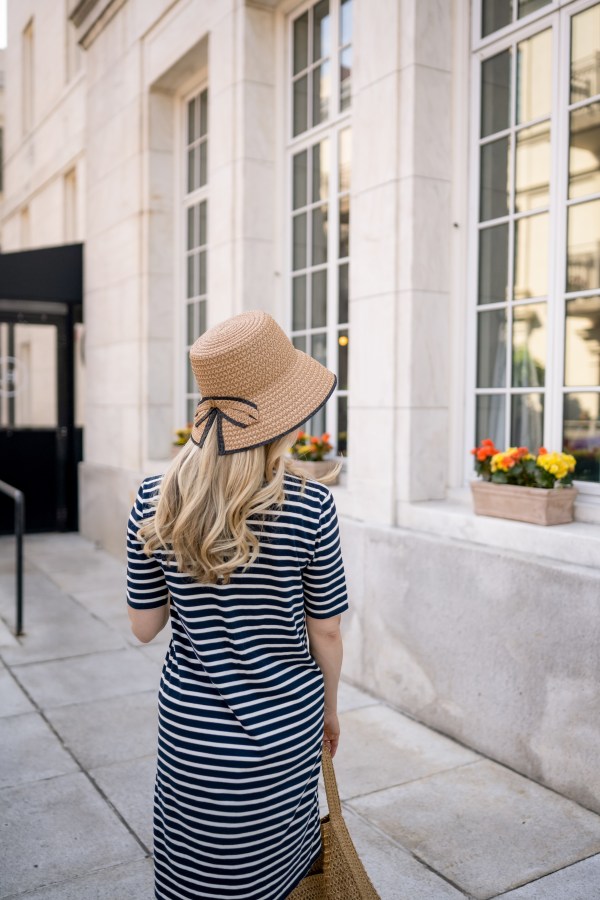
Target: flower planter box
{"type": "Point", "coordinates": [316, 469]}
{"type": "Point", "coordinates": [540, 506]}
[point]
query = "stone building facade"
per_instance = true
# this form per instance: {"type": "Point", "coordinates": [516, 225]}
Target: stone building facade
{"type": "Point", "coordinates": [412, 189]}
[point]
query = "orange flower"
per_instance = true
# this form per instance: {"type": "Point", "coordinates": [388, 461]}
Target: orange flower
{"type": "Point", "coordinates": [542, 451]}
{"type": "Point", "coordinates": [325, 436]}
{"type": "Point", "coordinates": [314, 440]}
{"type": "Point", "coordinates": [300, 434]}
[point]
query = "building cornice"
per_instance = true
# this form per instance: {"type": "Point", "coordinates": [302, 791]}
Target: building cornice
{"type": "Point", "coordinates": [90, 17]}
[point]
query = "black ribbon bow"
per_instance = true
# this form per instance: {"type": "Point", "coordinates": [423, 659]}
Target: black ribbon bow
{"type": "Point", "coordinates": [236, 410]}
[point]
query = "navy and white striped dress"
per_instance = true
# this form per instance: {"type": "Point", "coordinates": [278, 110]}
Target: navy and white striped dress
{"type": "Point", "coordinates": [240, 705]}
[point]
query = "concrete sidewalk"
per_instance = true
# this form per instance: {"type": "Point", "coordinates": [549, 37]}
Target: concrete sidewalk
{"type": "Point", "coordinates": [431, 819]}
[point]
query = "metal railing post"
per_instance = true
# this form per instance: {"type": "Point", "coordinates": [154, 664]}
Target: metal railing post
{"type": "Point", "coordinates": [19, 500]}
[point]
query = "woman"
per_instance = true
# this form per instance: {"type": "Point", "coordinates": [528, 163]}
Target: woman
{"type": "Point", "coordinates": [247, 554]}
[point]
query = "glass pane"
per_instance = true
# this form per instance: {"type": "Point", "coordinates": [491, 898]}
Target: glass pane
{"type": "Point", "coordinates": [191, 229]}
{"type": "Point", "coordinates": [320, 171]}
{"type": "Point", "coordinates": [584, 151]}
{"type": "Point", "coordinates": [345, 151]}
{"type": "Point", "coordinates": [495, 14]}
{"type": "Point", "coordinates": [300, 43]}
{"type": "Point", "coordinates": [203, 174]}
{"type": "Point", "coordinates": [531, 257]}
{"type": "Point", "coordinates": [581, 433]}
{"type": "Point", "coordinates": [317, 425]}
{"type": "Point", "coordinates": [585, 46]}
{"type": "Point", "coordinates": [342, 369]}
{"type": "Point", "coordinates": [202, 272]}
{"type": "Point", "coordinates": [583, 246]}
{"type": "Point", "coordinates": [202, 305]}
{"type": "Point", "coordinates": [300, 105]}
{"type": "Point", "coordinates": [192, 387]}
{"type": "Point", "coordinates": [491, 349]}
{"type": "Point", "coordinates": [321, 93]}
{"type": "Point", "coordinates": [319, 348]}
{"type": "Point", "coordinates": [495, 93]}
{"type": "Point", "coordinates": [527, 421]}
{"type": "Point", "coordinates": [582, 342]}
{"type": "Point", "coordinates": [319, 235]}
{"type": "Point", "coordinates": [490, 418]}
{"type": "Point", "coordinates": [319, 299]}
{"type": "Point", "coordinates": [299, 342]}
{"type": "Point", "coordinates": [342, 435]}
{"type": "Point", "coordinates": [534, 77]}
{"type": "Point", "coordinates": [299, 303]}
{"type": "Point", "coordinates": [532, 188]}
{"type": "Point", "coordinates": [526, 7]}
{"type": "Point", "coordinates": [300, 180]}
{"type": "Point", "coordinates": [192, 129]}
{"type": "Point", "coordinates": [203, 113]}
{"type": "Point", "coordinates": [299, 241]}
{"type": "Point", "coordinates": [344, 237]}
{"type": "Point", "coordinates": [346, 22]}
{"type": "Point", "coordinates": [192, 328]}
{"type": "Point", "coordinates": [494, 180]}
{"type": "Point", "coordinates": [345, 78]}
{"type": "Point", "coordinates": [202, 213]}
{"type": "Point", "coordinates": [191, 169]}
{"type": "Point", "coordinates": [191, 406]}
{"type": "Point", "coordinates": [321, 30]}
{"type": "Point", "coordinates": [190, 276]}
{"type": "Point", "coordinates": [493, 264]}
{"type": "Point", "coordinates": [529, 345]}
{"type": "Point", "coordinates": [28, 376]}
{"type": "Point", "coordinates": [343, 293]}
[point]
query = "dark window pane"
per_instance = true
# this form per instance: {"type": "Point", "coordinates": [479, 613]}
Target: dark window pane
{"type": "Point", "coordinates": [585, 47]}
{"type": "Point", "coordinates": [299, 303]}
{"type": "Point", "coordinates": [203, 173]}
{"type": "Point", "coordinates": [494, 180]}
{"type": "Point", "coordinates": [300, 180]}
{"type": "Point", "coordinates": [491, 349]}
{"type": "Point", "coordinates": [531, 257]}
{"type": "Point", "coordinates": [495, 14]}
{"type": "Point", "coordinates": [344, 238]}
{"type": "Point", "coordinates": [581, 433]}
{"type": "Point", "coordinates": [202, 316]}
{"type": "Point", "coordinates": [529, 345]}
{"type": "Point", "coordinates": [192, 328]}
{"type": "Point", "coordinates": [319, 348]}
{"type": "Point", "coordinates": [203, 113]}
{"type": "Point", "coordinates": [300, 105]}
{"type": "Point", "coordinates": [191, 170]}
{"type": "Point", "coordinates": [490, 418]}
{"type": "Point", "coordinates": [343, 293]}
{"type": "Point", "coordinates": [493, 264]}
{"type": "Point", "coordinates": [321, 30]}
{"type": "Point", "coordinates": [495, 93]}
{"type": "Point", "coordinates": [190, 291]}
{"type": "Point", "coordinates": [584, 150]}
{"type": "Point", "coordinates": [527, 421]}
{"type": "Point", "coordinates": [346, 22]}
{"type": "Point", "coordinates": [299, 241]}
{"type": "Point", "coordinates": [319, 299]}
{"type": "Point", "coordinates": [191, 230]}
{"type": "Point", "coordinates": [321, 93]}
{"type": "Point", "coordinates": [532, 188]}
{"type": "Point", "coordinates": [583, 246]}
{"type": "Point", "coordinates": [203, 214]}
{"type": "Point", "coordinates": [582, 342]}
{"type": "Point", "coordinates": [534, 81]}
{"type": "Point", "coordinates": [526, 7]}
{"type": "Point", "coordinates": [191, 407]}
{"type": "Point", "coordinates": [202, 272]}
{"type": "Point", "coordinates": [320, 171]}
{"type": "Point", "coordinates": [299, 342]}
{"type": "Point", "coordinates": [319, 235]}
{"type": "Point", "coordinates": [300, 43]}
{"type": "Point", "coordinates": [316, 425]}
{"type": "Point", "coordinates": [192, 128]}
{"type": "Point", "coordinates": [345, 78]}
{"type": "Point", "coordinates": [342, 369]}
{"type": "Point", "coordinates": [345, 152]}
{"type": "Point", "coordinates": [342, 417]}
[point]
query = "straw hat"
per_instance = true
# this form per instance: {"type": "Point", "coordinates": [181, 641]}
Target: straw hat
{"type": "Point", "coordinates": [254, 383]}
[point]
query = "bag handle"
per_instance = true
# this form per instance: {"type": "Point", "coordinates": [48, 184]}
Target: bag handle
{"type": "Point", "coordinates": [331, 789]}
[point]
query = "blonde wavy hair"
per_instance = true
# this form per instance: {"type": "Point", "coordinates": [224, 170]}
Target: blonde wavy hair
{"type": "Point", "coordinates": [205, 501]}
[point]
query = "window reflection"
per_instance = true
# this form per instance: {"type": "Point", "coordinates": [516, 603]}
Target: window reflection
{"type": "Point", "coordinates": [495, 14]}
{"type": "Point", "coordinates": [529, 345]}
{"type": "Point", "coordinates": [534, 81]}
{"type": "Point", "coordinates": [584, 150]}
{"type": "Point", "coordinates": [582, 342]}
{"type": "Point", "coordinates": [531, 257]}
{"type": "Point", "coordinates": [491, 349]}
{"type": "Point", "coordinates": [494, 180]}
{"type": "Point", "coordinates": [581, 433]}
{"type": "Point", "coordinates": [527, 420]}
{"type": "Point", "coordinates": [585, 49]}
{"type": "Point", "coordinates": [493, 264]}
{"type": "Point", "coordinates": [583, 246]}
{"type": "Point", "coordinates": [532, 188]}
{"type": "Point", "coordinates": [526, 7]}
{"type": "Point", "coordinates": [490, 418]}
{"type": "Point", "coordinates": [495, 93]}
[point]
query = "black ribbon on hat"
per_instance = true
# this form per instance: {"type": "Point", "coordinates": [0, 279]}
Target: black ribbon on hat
{"type": "Point", "coordinates": [236, 410]}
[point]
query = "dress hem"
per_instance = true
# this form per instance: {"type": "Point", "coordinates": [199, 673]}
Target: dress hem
{"type": "Point", "coordinates": [310, 865]}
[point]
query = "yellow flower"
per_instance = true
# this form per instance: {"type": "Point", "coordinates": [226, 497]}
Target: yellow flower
{"type": "Point", "coordinates": [557, 464]}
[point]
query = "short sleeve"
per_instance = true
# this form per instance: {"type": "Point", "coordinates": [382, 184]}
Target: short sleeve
{"type": "Point", "coordinates": [146, 584]}
{"type": "Point", "coordinates": [324, 579]}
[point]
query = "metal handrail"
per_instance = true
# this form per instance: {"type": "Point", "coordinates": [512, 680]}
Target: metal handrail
{"type": "Point", "coordinates": [19, 498]}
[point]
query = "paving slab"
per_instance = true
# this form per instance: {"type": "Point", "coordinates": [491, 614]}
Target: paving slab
{"type": "Point", "coordinates": [31, 751]}
{"type": "Point", "coordinates": [102, 732]}
{"type": "Point", "coordinates": [56, 829]}
{"type": "Point", "coordinates": [484, 827]}
{"type": "Point", "coordinates": [379, 748]}
{"type": "Point", "coordinates": [93, 676]}
{"type": "Point", "coordinates": [351, 697]}
{"type": "Point", "coordinates": [129, 881]}
{"type": "Point", "coordinates": [13, 700]}
{"type": "Point", "coordinates": [581, 881]}
{"type": "Point", "coordinates": [130, 787]}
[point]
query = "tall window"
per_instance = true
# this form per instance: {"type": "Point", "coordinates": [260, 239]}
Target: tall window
{"type": "Point", "coordinates": [537, 288]}
{"type": "Point", "coordinates": [195, 231]}
{"type": "Point", "coordinates": [27, 77]}
{"type": "Point", "coordinates": [319, 159]}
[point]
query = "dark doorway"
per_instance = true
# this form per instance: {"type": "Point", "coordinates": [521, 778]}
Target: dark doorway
{"type": "Point", "coordinates": [40, 437]}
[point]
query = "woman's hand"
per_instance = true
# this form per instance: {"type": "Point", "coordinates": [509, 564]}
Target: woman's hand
{"type": "Point", "coordinates": [331, 731]}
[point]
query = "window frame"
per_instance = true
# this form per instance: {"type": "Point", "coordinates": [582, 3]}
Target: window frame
{"type": "Point", "coordinates": [557, 16]}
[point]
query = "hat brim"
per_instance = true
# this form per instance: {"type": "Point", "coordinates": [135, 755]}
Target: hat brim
{"type": "Point", "coordinates": [283, 407]}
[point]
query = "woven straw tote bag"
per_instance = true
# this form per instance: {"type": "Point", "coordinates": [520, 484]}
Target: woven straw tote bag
{"type": "Point", "coordinates": [338, 873]}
